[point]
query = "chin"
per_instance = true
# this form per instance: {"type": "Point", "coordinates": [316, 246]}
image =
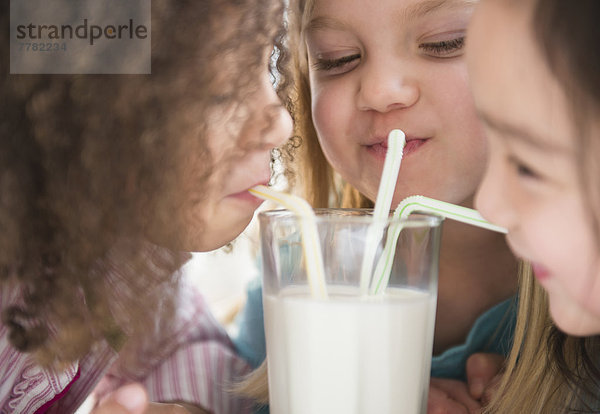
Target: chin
{"type": "Point", "coordinates": [575, 322]}
{"type": "Point", "coordinates": [213, 229]}
{"type": "Point", "coordinates": [211, 241]}
{"type": "Point", "coordinates": [214, 238]}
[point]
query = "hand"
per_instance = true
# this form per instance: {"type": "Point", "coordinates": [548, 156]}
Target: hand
{"type": "Point", "coordinates": [132, 399]}
{"type": "Point", "coordinates": [448, 396]}
{"type": "Point", "coordinates": [484, 372]}
{"type": "Point", "coordinates": [129, 399]}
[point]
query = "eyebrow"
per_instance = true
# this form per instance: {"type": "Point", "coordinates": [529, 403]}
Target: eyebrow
{"type": "Point", "coordinates": [323, 22]}
{"type": "Point", "coordinates": [520, 133]}
{"type": "Point", "coordinates": [412, 12]}
{"type": "Point", "coordinates": [425, 7]}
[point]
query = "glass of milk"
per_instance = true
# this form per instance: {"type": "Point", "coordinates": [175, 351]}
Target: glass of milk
{"type": "Point", "coordinates": [354, 352]}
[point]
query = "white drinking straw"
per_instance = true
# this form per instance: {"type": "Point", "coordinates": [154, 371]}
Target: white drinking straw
{"type": "Point", "coordinates": [426, 205]}
{"type": "Point", "coordinates": [387, 185]}
{"type": "Point", "coordinates": [311, 246]}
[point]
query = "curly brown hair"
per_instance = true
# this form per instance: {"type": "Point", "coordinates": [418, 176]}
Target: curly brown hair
{"type": "Point", "coordinates": [88, 163]}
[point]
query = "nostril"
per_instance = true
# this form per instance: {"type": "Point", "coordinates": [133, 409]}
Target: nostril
{"type": "Point", "coordinates": [392, 95]}
{"type": "Point", "coordinates": [395, 106]}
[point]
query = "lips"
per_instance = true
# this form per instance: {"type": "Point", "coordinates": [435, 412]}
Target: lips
{"type": "Point", "coordinates": [241, 191]}
{"type": "Point", "coordinates": [540, 272]}
{"type": "Point", "coordinates": [379, 146]}
{"type": "Point", "coordinates": [413, 145]}
{"type": "Point", "coordinates": [246, 196]}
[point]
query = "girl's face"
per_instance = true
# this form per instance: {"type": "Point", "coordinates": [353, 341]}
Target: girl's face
{"type": "Point", "coordinates": [239, 140]}
{"type": "Point", "coordinates": [377, 66]}
{"type": "Point", "coordinates": [532, 185]}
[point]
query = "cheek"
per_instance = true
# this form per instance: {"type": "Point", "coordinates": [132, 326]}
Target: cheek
{"type": "Point", "coordinates": [198, 179]}
{"type": "Point", "coordinates": [593, 296]}
{"type": "Point", "coordinates": [566, 243]}
{"type": "Point", "coordinates": [574, 296]}
{"type": "Point", "coordinates": [331, 108]}
{"type": "Point", "coordinates": [549, 230]}
{"type": "Point", "coordinates": [449, 86]}
{"type": "Point", "coordinates": [590, 289]}
{"type": "Point", "coordinates": [581, 267]}
{"type": "Point", "coordinates": [328, 119]}
{"type": "Point", "coordinates": [448, 93]}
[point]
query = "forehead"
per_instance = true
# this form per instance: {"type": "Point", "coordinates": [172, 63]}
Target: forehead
{"type": "Point", "coordinates": [509, 78]}
{"type": "Point", "coordinates": [406, 9]}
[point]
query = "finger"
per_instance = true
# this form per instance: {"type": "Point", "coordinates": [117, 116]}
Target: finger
{"type": "Point", "coordinates": [129, 399]}
{"type": "Point", "coordinates": [157, 408]}
{"type": "Point", "coordinates": [457, 391]}
{"type": "Point", "coordinates": [172, 408]}
{"type": "Point", "coordinates": [481, 369]}
{"type": "Point", "coordinates": [440, 403]}
{"type": "Point", "coordinates": [490, 390]}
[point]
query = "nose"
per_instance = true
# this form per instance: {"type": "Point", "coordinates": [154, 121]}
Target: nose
{"type": "Point", "coordinates": [277, 127]}
{"type": "Point", "coordinates": [385, 87]}
{"type": "Point", "coordinates": [493, 199]}
{"type": "Point", "coordinates": [280, 126]}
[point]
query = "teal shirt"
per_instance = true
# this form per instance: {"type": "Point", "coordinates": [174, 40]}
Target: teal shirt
{"type": "Point", "coordinates": [492, 332]}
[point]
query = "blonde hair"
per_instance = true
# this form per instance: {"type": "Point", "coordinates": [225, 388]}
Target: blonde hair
{"type": "Point", "coordinates": [321, 186]}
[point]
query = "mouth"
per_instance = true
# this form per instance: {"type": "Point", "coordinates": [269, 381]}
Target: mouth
{"type": "Point", "coordinates": [245, 195]}
{"type": "Point", "coordinates": [379, 147]}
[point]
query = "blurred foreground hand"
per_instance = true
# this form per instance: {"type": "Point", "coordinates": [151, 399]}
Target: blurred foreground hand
{"type": "Point", "coordinates": [132, 399]}
{"type": "Point", "coordinates": [447, 396]}
{"type": "Point", "coordinates": [484, 372]}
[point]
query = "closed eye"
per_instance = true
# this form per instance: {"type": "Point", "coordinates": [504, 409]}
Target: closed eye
{"type": "Point", "coordinates": [523, 170]}
{"type": "Point", "coordinates": [444, 48]}
{"type": "Point", "coordinates": [339, 65]}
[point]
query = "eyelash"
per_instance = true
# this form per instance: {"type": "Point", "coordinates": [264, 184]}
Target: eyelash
{"type": "Point", "coordinates": [331, 64]}
{"type": "Point", "coordinates": [444, 47]}
{"type": "Point", "coordinates": [522, 170]}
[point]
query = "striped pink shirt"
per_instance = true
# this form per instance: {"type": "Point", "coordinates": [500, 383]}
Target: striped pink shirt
{"type": "Point", "coordinates": [192, 361]}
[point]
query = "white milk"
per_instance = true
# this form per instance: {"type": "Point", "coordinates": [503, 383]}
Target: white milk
{"type": "Point", "coordinates": [347, 354]}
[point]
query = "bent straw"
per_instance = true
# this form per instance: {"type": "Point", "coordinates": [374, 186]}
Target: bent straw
{"type": "Point", "coordinates": [385, 193]}
{"type": "Point", "coordinates": [311, 246]}
{"type": "Point", "coordinates": [427, 205]}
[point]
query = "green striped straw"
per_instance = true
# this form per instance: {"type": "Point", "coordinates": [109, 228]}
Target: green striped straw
{"type": "Point", "coordinates": [426, 205]}
{"type": "Point", "coordinates": [387, 185]}
{"type": "Point", "coordinates": [311, 246]}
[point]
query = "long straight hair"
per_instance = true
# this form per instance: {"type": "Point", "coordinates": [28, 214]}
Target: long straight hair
{"type": "Point", "coordinates": [547, 370]}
